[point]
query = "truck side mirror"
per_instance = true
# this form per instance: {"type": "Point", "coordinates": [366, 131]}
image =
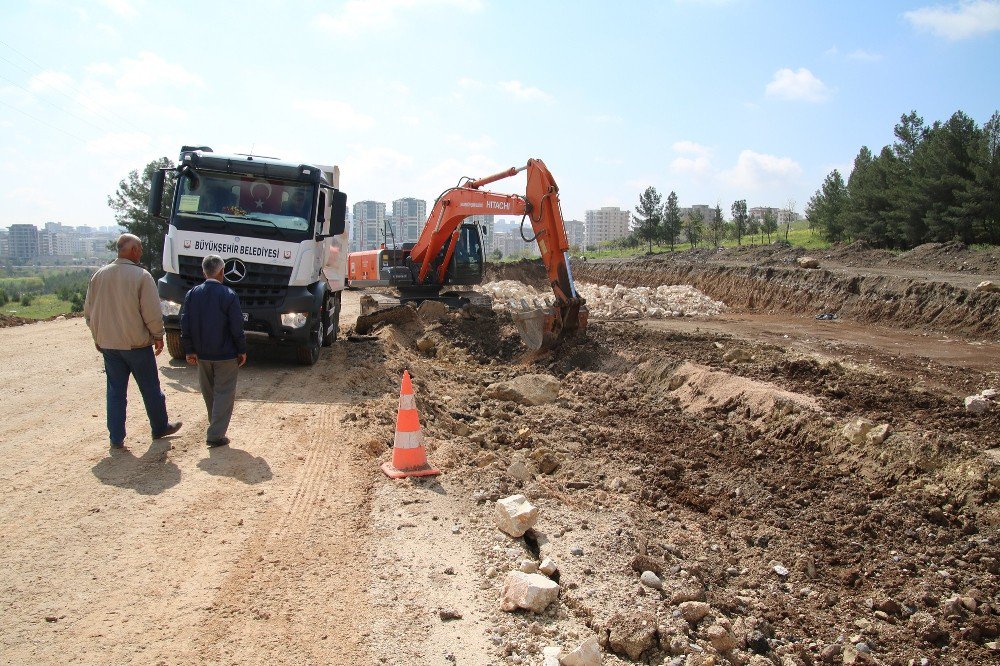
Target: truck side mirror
{"type": "Point", "coordinates": [338, 213]}
{"type": "Point", "coordinates": [155, 203]}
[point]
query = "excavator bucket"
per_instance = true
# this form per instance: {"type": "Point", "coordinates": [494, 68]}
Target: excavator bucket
{"type": "Point", "coordinates": [543, 326]}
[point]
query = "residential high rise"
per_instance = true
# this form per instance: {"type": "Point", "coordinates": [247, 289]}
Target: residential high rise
{"type": "Point", "coordinates": [408, 216]}
{"type": "Point", "coordinates": [369, 220]}
{"type": "Point", "coordinates": [23, 242]}
{"type": "Point", "coordinates": [606, 224]}
{"type": "Point", "coordinates": [576, 234]}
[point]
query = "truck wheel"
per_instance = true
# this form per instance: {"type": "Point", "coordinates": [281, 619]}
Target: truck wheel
{"type": "Point", "coordinates": [331, 319]}
{"type": "Point", "coordinates": [308, 353]}
{"type": "Point", "coordinates": [174, 346]}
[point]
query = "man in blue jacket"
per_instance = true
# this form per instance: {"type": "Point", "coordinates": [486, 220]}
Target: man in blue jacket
{"type": "Point", "coordinates": [213, 339]}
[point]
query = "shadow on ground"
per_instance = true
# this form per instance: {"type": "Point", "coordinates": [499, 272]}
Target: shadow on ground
{"type": "Point", "coordinates": [148, 474]}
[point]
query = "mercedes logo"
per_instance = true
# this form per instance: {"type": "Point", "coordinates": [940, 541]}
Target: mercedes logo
{"type": "Point", "coordinates": [235, 270]}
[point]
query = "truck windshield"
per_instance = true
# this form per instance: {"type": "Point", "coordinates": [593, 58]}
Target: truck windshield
{"type": "Point", "coordinates": [243, 200]}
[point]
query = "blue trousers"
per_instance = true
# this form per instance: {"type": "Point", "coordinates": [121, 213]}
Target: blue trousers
{"type": "Point", "coordinates": [141, 364]}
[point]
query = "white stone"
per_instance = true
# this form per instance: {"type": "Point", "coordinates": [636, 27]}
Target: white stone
{"type": "Point", "coordinates": [526, 390]}
{"type": "Point", "coordinates": [856, 430]}
{"type": "Point", "coordinates": [722, 640]}
{"type": "Point", "coordinates": [650, 579]}
{"type": "Point", "coordinates": [808, 262]}
{"type": "Point", "coordinates": [976, 404]}
{"type": "Point", "coordinates": [532, 592]}
{"type": "Point", "coordinates": [550, 655]}
{"type": "Point", "coordinates": [528, 566]}
{"type": "Point", "coordinates": [548, 567]}
{"type": "Point", "coordinates": [515, 515]}
{"type": "Point", "coordinates": [987, 285]}
{"type": "Point", "coordinates": [588, 654]}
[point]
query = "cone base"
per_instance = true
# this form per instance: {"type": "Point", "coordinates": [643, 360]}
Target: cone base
{"type": "Point", "coordinates": [394, 473]}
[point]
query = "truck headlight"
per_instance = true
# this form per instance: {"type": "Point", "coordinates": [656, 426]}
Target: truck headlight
{"type": "Point", "coordinates": [169, 308]}
{"type": "Point", "coordinates": [293, 319]}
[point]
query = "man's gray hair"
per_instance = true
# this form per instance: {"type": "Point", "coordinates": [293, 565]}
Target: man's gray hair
{"type": "Point", "coordinates": [126, 241]}
{"type": "Point", "coordinates": [212, 265]}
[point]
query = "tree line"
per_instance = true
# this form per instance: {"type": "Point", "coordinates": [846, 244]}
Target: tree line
{"type": "Point", "coordinates": [935, 183]}
{"type": "Point", "coordinates": [656, 222]}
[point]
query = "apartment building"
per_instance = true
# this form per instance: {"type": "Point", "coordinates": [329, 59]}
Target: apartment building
{"type": "Point", "coordinates": [369, 224]}
{"type": "Point", "coordinates": [408, 218]}
{"type": "Point", "coordinates": [606, 224]}
{"type": "Point", "coordinates": [576, 234]}
{"type": "Point", "coordinates": [23, 242]}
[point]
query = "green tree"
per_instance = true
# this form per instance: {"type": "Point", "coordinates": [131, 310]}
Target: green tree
{"type": "Point", "coordinates": [769, 225]}
{"type": "Point", "coordinates": [789, 216]}
{"type": "Point", "coordinates": [647, 220]}
{"type": "Point", "coordinates": [694, 227]}
{"type": "Point", "coordinates": [981, 199]}
{"type": "Point", "coordinates": [129, 204]}
{"type": "Point", "coordinates": [946, 173]}
{"type": "Point", "coordinates": [753, 228]}
{"type": "Point", "coordinates": [739, 211]}
{"type": "Point", "coordinates": [717, 227]}
{"type": "Point", "coordinates": [671, 220]}
{"type": "Point", "coordinates": [827, 207]}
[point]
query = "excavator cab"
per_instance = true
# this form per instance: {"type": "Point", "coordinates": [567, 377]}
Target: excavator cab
{"type": "Point", "coordinates": [469, 260]}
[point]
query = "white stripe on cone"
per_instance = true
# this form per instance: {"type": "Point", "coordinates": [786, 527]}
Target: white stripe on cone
{"type": "Point", "coordinates": [408, 440]}
{"type": "Point", "coordinates": [407, 401]}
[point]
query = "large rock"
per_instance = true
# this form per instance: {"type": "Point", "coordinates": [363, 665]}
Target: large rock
{"type": "Point", "coordinates": [532, 592]}
{"type": "Point", "coordinates": [432, 310]}
{"type": "Point", "coordinates": [987, 285]}
{"type": "Point", "coordinates": [808, 262]}
{"type": "Point", "coordinates": [722, 639]}
{"type": "Point", "coordinates": [588, 654]}
{"type": "Point", "coordinates": [976, 404]}
{"type": "Point", "coordinates": [694, 611]}
{"type": "Point", "coordinates": [856, 431]}
{"type": "Point", "coordinates": [878, 434]}
{"type": "Point", "coordinates": [526, 390]}
{"type": "Point", "coordinates": [515, 515]}
{"type": "Point", "coordinates": [632, 633]}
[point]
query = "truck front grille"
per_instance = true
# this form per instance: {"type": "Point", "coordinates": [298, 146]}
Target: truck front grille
{"type": "Point", "coordinates": [263, 287]}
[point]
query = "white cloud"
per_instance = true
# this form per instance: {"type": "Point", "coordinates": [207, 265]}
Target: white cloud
{"type": "Point", "coordinates": [357, 17]}
{"type": "Point", "coordinates": [48, 80]}
{"type": "Point", "coordinates": [798, 85]}
{"type": "Point", "coordinates": [524, 93]}
{"type": "Point", "coordinates": [470, 84]}
{"type": "Point", "coordinates": [968, 18]}
{"type": "Point", "coordinates": [695, 159]}
{"type": "Point", "coordinates": [150, 70]}
{"type": "Point", "coordinates": [864, 56]}
{"type": "Point", "coordinates": [337, 113]}
{"type": "Point", "coordinates": [754, 172]}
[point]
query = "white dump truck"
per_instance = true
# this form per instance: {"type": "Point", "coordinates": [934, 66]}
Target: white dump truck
{"type": "Point", "coordinates": [279, 226]}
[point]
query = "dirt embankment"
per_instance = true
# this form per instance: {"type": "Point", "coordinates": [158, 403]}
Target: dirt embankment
{"type": "Point", "coordinates": [896, 301]}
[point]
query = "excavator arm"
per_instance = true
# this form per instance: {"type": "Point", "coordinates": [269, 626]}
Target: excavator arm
{"type": "Point", "coordinates": [540, 327]}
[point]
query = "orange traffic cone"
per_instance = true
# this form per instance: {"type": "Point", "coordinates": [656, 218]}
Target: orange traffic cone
{"type": "Point", "coordinates": [408, 455]}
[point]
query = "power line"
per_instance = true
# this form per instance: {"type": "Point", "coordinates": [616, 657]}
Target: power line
{"type": "Point", "coordinates": [52, 104]}
{"type": "Point", "coordinates": [56, 85]}
{"type": "Point", "coordinates": [39, 120]}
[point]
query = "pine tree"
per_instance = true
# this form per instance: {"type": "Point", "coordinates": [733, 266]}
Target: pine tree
{"type": "Point", "coordinates": [671, 220]}
{"type": "Point", "coordinates": [129, 204]}
{"type": "Point", "coordinates": [648, 216]}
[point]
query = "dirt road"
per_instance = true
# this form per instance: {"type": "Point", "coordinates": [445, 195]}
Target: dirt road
{"type": "Point", "coordinates": [170, 552]}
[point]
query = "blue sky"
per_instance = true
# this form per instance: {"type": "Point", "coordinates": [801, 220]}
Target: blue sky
{"type": "Point", "coordinates": [717, 100]}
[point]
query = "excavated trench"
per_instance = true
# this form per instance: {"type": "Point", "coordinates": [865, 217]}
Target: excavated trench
{"type": "Point", "coordinates": [898, 302]}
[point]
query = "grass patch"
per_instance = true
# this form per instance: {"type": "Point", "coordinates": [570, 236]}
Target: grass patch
{"type": "Point", "coordinates": [42, 307]}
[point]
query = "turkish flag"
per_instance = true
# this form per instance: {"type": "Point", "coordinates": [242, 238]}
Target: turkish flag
{"type": "Point", "coordinates": [260, 196]}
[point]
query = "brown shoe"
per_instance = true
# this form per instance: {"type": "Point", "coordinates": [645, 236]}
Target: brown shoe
{"type": "Point", "coordinates": [171, 429]}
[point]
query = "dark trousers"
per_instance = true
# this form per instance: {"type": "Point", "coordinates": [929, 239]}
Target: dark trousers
{"type": "Point", "coordinates": [218, 387]}
{"type": "Point", "coordinates": [119, 364]}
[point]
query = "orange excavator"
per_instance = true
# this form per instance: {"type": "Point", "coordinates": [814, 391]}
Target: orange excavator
{"type": "Point", "coordinates": [450, 252]}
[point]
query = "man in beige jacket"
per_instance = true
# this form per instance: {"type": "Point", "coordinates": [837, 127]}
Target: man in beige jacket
{"type": "Point", "coordinates": [123, 312]}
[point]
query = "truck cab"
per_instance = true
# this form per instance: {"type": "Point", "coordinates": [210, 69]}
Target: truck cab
{"type": "Point", "coordinates": [280, 228]}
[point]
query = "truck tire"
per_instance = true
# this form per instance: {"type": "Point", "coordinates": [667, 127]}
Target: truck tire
{"type": "Point", "coordinates": [308, 353]}
{"type": "Point", "coordinates": [331, 319]}
{"type": "Point", "coordinates": [174, 346]}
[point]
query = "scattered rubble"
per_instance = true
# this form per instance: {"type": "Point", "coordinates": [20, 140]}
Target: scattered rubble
{"type": "Point", "coordinates": [515, 515]}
